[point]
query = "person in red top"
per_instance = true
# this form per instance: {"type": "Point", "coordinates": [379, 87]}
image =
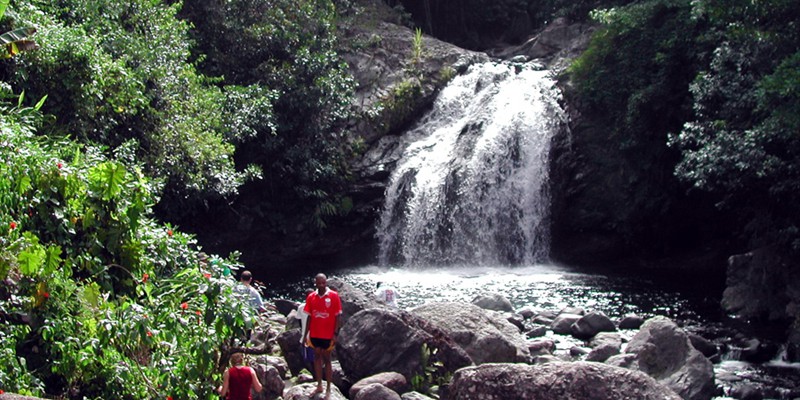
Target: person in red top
{"type": "Point", "coordinates": [324, 308]}
{"type": "Point", "coordinates": [238, 380]}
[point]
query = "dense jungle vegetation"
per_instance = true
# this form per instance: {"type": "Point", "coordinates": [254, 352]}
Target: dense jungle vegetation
{"type": "Point", "coordinates": [131, 114]}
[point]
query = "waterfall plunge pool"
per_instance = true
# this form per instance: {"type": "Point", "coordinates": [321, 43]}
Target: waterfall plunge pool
{"type": "Point", "coordinates": [693, 303]}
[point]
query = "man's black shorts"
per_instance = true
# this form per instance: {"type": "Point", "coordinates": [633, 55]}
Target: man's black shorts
{"type": "Point", "coordinates": [321, 344]}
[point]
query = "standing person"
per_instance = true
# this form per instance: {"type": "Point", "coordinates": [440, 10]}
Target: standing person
{"type": "Point", "coordinates": [386, 294]}
{"type": "Point", "coordinates": [302, 315]}
{"type": "Point", "coordinates": [324, 308]}
{"type": "Point", "coordinates": [238, 380]}
{"type": "Point", "coordinates": [246, 288]}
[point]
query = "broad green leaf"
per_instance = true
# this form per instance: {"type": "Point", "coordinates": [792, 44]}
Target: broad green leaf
{"type": "Point", "coordinates": [106, 179]}
{"type": "Point", "coordinates": [53, 259]}
{"type": "Point", "coordinates": [3, 6]}
{"type": "Point", "coordinates": [17, 35]}
{"type": "Point", "coordinates": [31, 260]}
{"type": "Point", "coordinates": [23, 184]}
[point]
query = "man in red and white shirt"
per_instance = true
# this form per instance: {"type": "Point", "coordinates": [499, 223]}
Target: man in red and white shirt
{"type": "Point", "coordinates": [324, 308]}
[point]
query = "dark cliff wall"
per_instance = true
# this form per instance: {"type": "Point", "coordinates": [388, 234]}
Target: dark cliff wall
{"type": "Point", "coordinates": [618, 206]}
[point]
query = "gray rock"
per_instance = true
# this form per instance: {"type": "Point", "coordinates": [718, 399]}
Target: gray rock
{"type": "Point", "coordinates": [541, 346]}
{"type": "Point", "coordinates": [289, 343]}
{"type": "Point", "coordinates": [391, 380]}
{"type": "Point", "coordinates": [562, 325]}
{"type": "Point", "coordinates": [631, 321]}
{"type": "Point", "coordinates": [376, 391]}
{"type": "Point", "coordinates": [573, 310]}
{"type": "Point", "coordinates": [495, 302]}
{"type": "Point", "coordinates": [604, 345]}
{"type": "Point", "coordinates": [555, 381]}
{"type": "Point", "coordinates": [382, 339]}
{"type": "Point", "coordinates": [285, 306]}
{"type": "Point", "coordinates": [271, 381]}
{"type": "Point", "coordinates": [353, 298]}
{"type": "Point", "coordinates": [485, 336]}
{"type": "Point", "coordinates": [664, 352]}
{"type": "Point", "coordinates": [527, 313]}
{"type": "Point", "coordinates": [517, 320]}
{"type": "Point", "coordinates": [415, 396]}
{"type": "Point", "coordinates": [304, 392]}
{"type": "Point", "coordinates": [703, 345]}
{"type": "Point", "coordinates": [591, 324]}
{"type": "Point", "coordinates": [537, 331]}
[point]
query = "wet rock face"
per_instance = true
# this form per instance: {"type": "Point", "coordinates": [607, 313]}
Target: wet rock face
{"type": "Point", "coordinates": [555, 381]}
{"type": "Point", "coordinates": [380, 339]}
{"type": "Point", "coordinates": [485, 336]}
{"type": "Point", "coordinates": [663, 350]}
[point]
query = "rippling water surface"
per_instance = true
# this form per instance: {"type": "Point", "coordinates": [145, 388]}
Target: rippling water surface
{"type": "Point", "coordinates": [693, 301]}
{"type": "Point", "coordinates": [539, 287]}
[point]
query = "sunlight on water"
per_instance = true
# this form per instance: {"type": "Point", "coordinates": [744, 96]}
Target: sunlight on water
{"type": "Point", "coordinates": [538, 287]}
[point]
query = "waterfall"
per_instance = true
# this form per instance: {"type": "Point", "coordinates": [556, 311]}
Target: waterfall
{"type": "Point", "coordinates": [472, 184]}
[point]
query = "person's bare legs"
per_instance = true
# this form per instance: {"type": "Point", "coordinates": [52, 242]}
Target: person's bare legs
{"type": "Point", "coordinates": [318, 354]}
{"type": "Point", "coordinates": [328, 372]}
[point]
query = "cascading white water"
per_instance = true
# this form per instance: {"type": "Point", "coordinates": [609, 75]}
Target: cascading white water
{"type": "Point", "coordinates": [472, 184]}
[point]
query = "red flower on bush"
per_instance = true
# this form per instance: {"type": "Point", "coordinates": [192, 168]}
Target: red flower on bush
{"type": "Point", "coordinates": [149, 334]}
{"type": "Point", "coordinates": [184, 305]}
{"type": "Point", "coordinates": [144, 278]}
{"type": "Point", "coordinates": [169, 397]}
{"type": "Point", "coordinates": [12, 225]}
{"type": "Point", "coordinates": [59, 165]}
{"type": "Point", "coordinates": [46, 295]}
{"type": "Point", "coordinates": [169, 232]}
{"type": "Point", "coordinates": [198, 312]}
{"type": "Point", "coordinates": [207, 275]}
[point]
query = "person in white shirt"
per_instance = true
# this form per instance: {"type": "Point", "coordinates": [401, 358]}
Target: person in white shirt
{"type": "Point", "coordinates": [307, 351]}
{"type": "Point", "coordinates": [387, 295]}
{"type": "Point", "coordinates": [302, 315]}
{"type": "Point", "coordinates": [246, 289]}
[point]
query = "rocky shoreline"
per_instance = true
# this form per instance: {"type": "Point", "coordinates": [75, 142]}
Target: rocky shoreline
{"type": "Point", "coordinates": [487, 350]}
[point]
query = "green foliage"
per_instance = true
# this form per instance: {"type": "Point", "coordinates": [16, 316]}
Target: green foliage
{"type": "Point", "coordinates": [119, 306]}
{"type": "Point", "coordinates": [416, 47]}
{"type": "Point", "coordinates": [118, 74]}
{"type": "Point", "coordinates": [475, 24]}
{"type": "Point", "coordinates": [15, 41]}
{"type": "Point", "coordinates": [285, 54]}
{"type": "Point", "coordinates": [636, 71]}
{"type": "Point", "coordinates": [433, 372]}
{"type": "Point", "coordinates": [743, 143]}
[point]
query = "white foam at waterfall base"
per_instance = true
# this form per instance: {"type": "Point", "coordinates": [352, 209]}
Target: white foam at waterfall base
{"type": "Point", "coordinates": [472, 184]}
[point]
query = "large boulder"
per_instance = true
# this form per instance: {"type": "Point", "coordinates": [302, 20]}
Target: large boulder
{"type": "Point", "coordinates": [604, 345]}
{"type": "Point", "coordinates": [376, 391]}
{"type": "Point", "coordinates": [289, 343]}
{"type": "Point", "coordinates": [271, 381]}
{"type": "Point", "coordinates": [555, 381]}
{"type": "Point", "coordinates": [765, 284]}
{"type": "Point", "coordinates": [392, 380]}
{"type": "Point", "coordinates": [486, 336]}
{"type": "Point", "coordinates": [494, 301]}
{"type": "Point", "coordinates": [591, 324]}
{"type": "Point", "coordinates": [662, 350]}
{"type": "Point", "coordinates": [353, 298]}
{"type": "Point", "coordinates": [305, 391]}
{"type": "Point", "coordinates": [382, 339]}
